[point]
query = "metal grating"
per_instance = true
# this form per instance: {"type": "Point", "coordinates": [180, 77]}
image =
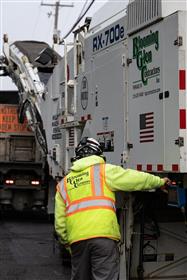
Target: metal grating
{"type": "Point", "coordinates": [141, 13]}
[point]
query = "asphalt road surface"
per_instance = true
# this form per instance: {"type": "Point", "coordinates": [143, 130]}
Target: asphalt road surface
{"type": "Point", "coordinates": [28, 250]}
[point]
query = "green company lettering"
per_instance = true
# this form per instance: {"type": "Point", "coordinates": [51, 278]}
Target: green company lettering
{"type": "Point", "coordinates": [144, 57]}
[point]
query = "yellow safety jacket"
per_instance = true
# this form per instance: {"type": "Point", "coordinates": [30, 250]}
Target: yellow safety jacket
{"type": "Point", "coordinates": [85, 198]}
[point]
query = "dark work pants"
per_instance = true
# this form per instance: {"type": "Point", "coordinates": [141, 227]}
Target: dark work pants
{"type": "Point", "coordinates": [95, 259]}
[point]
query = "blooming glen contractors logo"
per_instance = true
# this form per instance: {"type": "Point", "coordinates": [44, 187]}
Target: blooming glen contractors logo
{"type": "Point", "coordinates": [78, 180]}
{"type": "Point", "coordinates": [144, 57]}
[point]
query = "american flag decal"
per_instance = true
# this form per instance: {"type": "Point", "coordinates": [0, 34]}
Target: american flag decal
{"type": "Point", "coordinates": [147, 127]}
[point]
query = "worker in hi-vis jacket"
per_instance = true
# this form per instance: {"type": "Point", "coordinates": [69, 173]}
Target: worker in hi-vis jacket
{"type": "Point", "coordinates": [85, 217]}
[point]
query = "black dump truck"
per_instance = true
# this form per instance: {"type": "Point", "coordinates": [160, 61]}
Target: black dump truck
{"type": "Point", "coordinates": [23, 172]}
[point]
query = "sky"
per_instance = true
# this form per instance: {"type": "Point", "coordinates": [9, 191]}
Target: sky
{"type": "Point", "coordinates": [29, 20]}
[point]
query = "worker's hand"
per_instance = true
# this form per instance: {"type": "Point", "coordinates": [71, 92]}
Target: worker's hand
{"type": "Point", "coordinates": [166, 184]}
{"type": "Point", "coordinates": [167, 181]}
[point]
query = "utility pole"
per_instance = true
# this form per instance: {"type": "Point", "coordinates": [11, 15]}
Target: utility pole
{"type": "Point", "coordinates": [57, 5]}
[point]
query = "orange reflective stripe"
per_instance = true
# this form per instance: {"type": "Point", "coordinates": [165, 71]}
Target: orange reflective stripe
{"type": "Point", "coordinates": [90, 198]}
{"type": "Point", "coordinates": [65, 189]}
{"type": "Point", "coordinates": [90, 208]}
{"type": "Point", "coordinates": [98, 180]}
{"type": "Point", "coordinates": [92, 180]}
{"type": "Point", "coordinates": [62, 191]}
{"type": "Point", "coordinates": [96, 236]}
{"type": "Point", "coordinates": [91, 204]}
{"type": "Point", "coordinates": [62, 188]}
{"type": "Point", "coordinates": [58, 188]}
{"type": "Point", "coordinates": [102, 177]}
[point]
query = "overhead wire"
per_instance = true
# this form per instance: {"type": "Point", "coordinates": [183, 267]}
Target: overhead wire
{"type": "Point", "coordinates": [83, 8]}
{"type": "Point", "coordinates": [81, 15]}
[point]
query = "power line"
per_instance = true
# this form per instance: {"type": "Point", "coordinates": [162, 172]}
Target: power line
{"type": "Point", "coordinates": [78, 19]}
